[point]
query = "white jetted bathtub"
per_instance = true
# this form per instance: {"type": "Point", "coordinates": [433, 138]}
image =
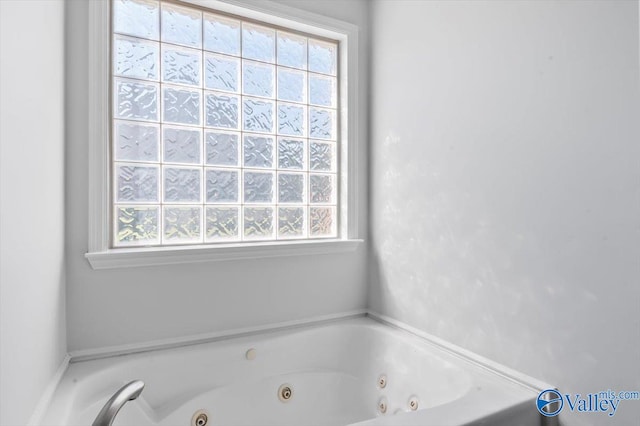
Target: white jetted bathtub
{"type": "Point", "coordinates": [351, 371]}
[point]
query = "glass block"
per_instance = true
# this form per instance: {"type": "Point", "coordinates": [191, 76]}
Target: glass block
{"type": "Point", "coordinates": [258, 42]}
{"type": "Point", "coordinates": [258, 151]}
{"type": "Point", "coordinates": [222, 223]}
{"type": "Point", "coordinates": [181, 65]}
{"type": "Point", "coordinates": [181, 145]}
{"type": "Point", "coordinates": [321, 189]}
{"type": "Point", "coordinates": [258, 187]}
{"type": "Point", "coordinates": [222, 111]}
{"type": "Point", "coordinates": [290, 222]}
{"type": "Point", "coordinates": [181, 25]}
{"type": "Point", "coordinates": [291, 119]}
{"type": "Point", "coordinates": [291, 188]}
{"type": "Point", "coordinates": [221, 72]}
{"type": "Point", "coordinates": [290, 154]}
{"type": "Point", "coordinates": [135, 142]}
{"type": "Point", "coordinates": [136, 100]}
{"type": "Point", "coordinates": [292, 50]}
{"type": "Point", "coordinates": [135, 58]}
{"type": "Point", "coordinates": [181, 185]}
{"type": "Point", "coordinates": [221, 34]}
{"type": "Point", "coordinates": [258, 222]}
{"type": "Point", "coordinates": [322, 123]}
{"type": "Point", "coordinates": [182, 224]}
{"type": "Point", "coordinates": [322, 90]}
{"type": "Point", "coordinates": [322, 222]}
{"type": "Point", "coordinates": [258, 115]}
{"type": "Point", "coordinates": [181, 105]}
{"type": "Point", "coordinates": [292, 85]}
{"type": "Point", "coordinates": [222, 186]}
{"type": "Point", "coordinates": [221, 148]}
{"type": "Point", "coordinates": [136, 183]}
{"type": "Point", "coordinates": [138, 18]}
{"type": "Point", "coordinates": [322, 156]}
{"type": "Point", "coordinates": [136, 226]}
{"type": "Point", "coordinates": [322, 57]}
{"type": "Point", "coordinates": [258, 79]}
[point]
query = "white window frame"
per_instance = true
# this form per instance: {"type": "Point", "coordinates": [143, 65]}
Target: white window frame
{"type": "Point", "coordinates": [101, 256]}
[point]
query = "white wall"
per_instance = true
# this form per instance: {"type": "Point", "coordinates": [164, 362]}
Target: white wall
{"type": "Point", "coordinates": [32, 329]}
{"type": "Point", "coordinates": [114, 307]}
{"type": "Point", "coordinates": [505, 181]}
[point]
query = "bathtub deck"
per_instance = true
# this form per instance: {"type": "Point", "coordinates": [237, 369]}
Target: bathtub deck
{"type": "Point", "coordinates": [333, 369]}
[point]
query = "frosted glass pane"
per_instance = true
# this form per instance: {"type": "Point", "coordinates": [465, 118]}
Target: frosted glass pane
{"type": "Point", "coordinates": [182, 224]}
{"type": "Point", "coordinates": [292, 85]}
{"type": "Point", "coordinates": [221, 34]}
{"type": "Point", "coordinates": [136, 226]}
{"type": "Point", "coordinates": [258, 42]}
{"type": "Point", "coordinates": [292, 50]}
{"type": "Point", "coordinates": [222, 124]}
{"type": "Point", "coordinates": [222, 149]}
{"type": "Point", "coordinates": [181, 25]}
{"type": "Point", "coordinates": [291, 119]}
{"type": "Point", "coordinates": [135, 58]}
{"type": "Point", "coordinates": [181, 145]}
{"type": "Point", "coordinates": [222, 223]}
{"type": "Point", "coordinates": [322, 90]}
{"type": "Point", "coordinates": [181, 106]}
{"type": "Point", "coordinates": [258, 151]}
{"type": "Point", "coordinates": [258, 115]}
{"type": "Point", "coordinates": [258, 222]}
{"type": "Point", "coordinates": [258, 187]}
{"type": "Point", "coordinates": [221, 72]}
{"type": "Point", "coordinates": [135, 142]}
{"type": "Point", "coordinates": [322, 156]}
{"type": "Point", "coordinates": [290, 153]}
{"type": "Point", "coordinates": [181, 185]}
{"type": "Point", "coordinates": [291, 188]}
{"type": "Point", "coordinates": [222, 111]}
{"type": "Point", "coordinates": [322, 57]}
{"type": "Point", "coordinates": [258, 79]}
{"type": "Point", "coordinates": [136, 183]}
{"type": "Point", "coordinates": [181, 65]}
{"type": "Point", "coordinates": [321, 189]}
{"type": "Point", "coordinates": [322, 222]}
{"type": "Point", "coordinates": [222, 186]}
{"type": "Point", "coordinates": [322, 123]}
{"type": "Point", "coordinates": [137, 18]}
{"type": "Point", "coordinates": [290, 222]}
{"type": "Point", "coordinates": [136, 100]}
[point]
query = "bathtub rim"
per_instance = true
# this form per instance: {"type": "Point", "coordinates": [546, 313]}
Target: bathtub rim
{"type": "Point", "coordinates": [508, 373]}
{"type": "Point", "coordinates": [530, 383]}
{"type": "Point", "coordinates": [203, 338]}
{"type": "Point", "coordinates": [494, 367]}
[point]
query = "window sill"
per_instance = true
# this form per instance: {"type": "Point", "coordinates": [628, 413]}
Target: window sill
{"type": "Point", "coordinates": [133, 257]}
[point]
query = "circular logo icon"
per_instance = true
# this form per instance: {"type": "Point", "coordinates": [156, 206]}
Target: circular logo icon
{"type": "Point", "coordinates": [549, 402]}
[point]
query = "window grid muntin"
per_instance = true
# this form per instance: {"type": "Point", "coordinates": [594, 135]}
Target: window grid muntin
{"type": "Point", "coordinates": [203, 166]}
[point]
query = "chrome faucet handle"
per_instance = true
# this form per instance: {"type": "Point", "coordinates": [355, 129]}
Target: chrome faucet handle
{"type": "Point", "coordinates": [128, 392]}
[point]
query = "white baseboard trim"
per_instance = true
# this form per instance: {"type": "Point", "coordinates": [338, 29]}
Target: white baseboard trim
{"type": "Point", "coordinates": [111, 351]}
{"type": "Point", "coordinates": [47, 395]}
{"type": "Point", "coordinates": [495, 367]}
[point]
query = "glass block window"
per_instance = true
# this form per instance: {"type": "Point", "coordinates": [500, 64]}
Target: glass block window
{"type": "Point", "coordinates": [224, 129]}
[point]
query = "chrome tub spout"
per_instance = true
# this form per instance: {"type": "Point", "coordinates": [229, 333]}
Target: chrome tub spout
{"type": "Point", "coordinates": [128, 392]}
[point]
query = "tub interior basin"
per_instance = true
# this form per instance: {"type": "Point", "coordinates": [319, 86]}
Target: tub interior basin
{"type": "Point", "coordinates": [332, 372]}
